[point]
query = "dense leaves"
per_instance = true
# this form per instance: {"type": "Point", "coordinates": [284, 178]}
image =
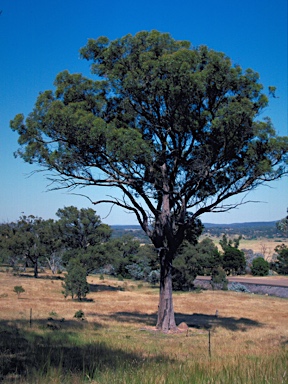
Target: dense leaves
{"type": "Point", "coordinates": [75, 283]}
{"type": "Point", "coordinates": [260, 267]}
{"type": "Point", "coordinates": [29, 241]}
{"type": "Point", "coordinates": [193, 260]}
{"type": "Point", "coordinates": [233, 260]}
{"type": "Point", "coordinates": [281, 263]}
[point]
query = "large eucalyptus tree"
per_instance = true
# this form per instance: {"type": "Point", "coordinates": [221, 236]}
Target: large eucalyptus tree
{"type": "Point", "coordinates": [173, 127]}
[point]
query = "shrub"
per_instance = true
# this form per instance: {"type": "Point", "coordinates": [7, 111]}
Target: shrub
{"type": "Point", "coordinates": [75, 283]}
{"type": "Point", "coordinates": [18, 289]}
{"type": "Point", "coordinates": [260, 267]}
{"type": "Point", "coordinates": [237, 287]}
{"type": "Point", "coordinates": [219, 279]}
{"type": "Point", "coordinates": [53, 313]}
{"type": "Point", "coordinates": [281, 263]}
{"type": "Point", "coordinates": [234, 261]}
{"type": "Point", "coordinates": [79, 315]}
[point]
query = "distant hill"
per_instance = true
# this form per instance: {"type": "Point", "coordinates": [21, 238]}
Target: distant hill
{"type": "Point", "coordinates": [250, 230]}
{"type": "Point", "coordinates": [243, 225]}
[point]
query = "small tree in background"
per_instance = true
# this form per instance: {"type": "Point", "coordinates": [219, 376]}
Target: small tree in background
{"type": "Point", "coordinates": [18, 289]}
{"type": "Point", "coordinates": [260, 267]}
{"type": "Point", "coordinates": [219, 279]}
{"type": "Point", "coordinates": [281, 263]}
{"type": "Point", "coordinates": [75, 283]}
{"type": "Point", "coordinates": [234, 261]}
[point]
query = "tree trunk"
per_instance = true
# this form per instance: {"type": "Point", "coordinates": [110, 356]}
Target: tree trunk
{"type": "Point", "coordinates": [36, 268]}
{"type": "Point", "coordinates": [165, 242]}
{"type": "Point", "coordinates": [166, 317]}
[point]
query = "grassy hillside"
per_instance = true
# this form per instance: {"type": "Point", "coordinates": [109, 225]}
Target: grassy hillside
{"type": "Point", "coordinates": [117, 341]}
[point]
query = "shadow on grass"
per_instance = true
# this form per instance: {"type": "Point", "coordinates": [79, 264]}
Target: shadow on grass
{"type": "Point", "coordinates": [101, 288]}
{"type": "Point", "coordinates": [199, 320]}
{"type": "Point", "coordinates": [196, 320]}
{"type": "Point", "coordinates": [41, 276]}
{"type": "Point", "coordinates": [24, 352]}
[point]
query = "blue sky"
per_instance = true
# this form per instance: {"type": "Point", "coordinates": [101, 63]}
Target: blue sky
{"type": "Point", "coordinates": [38, 39]}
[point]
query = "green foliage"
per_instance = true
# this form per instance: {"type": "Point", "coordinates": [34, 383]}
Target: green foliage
{"type": "Point", "coordinates": [30, 241]}
{"type": "Point", "coordinates": [79, 315]}
{"type": "Point", "coordinates": [53, 313]}
{"type": "Point", "coordinates": [75, 283]}
{"type": "Point", "coordinates": [77, 234]}
{"type": "Point", "coordinates": [122, 252]}
{"type": "Point", "coordinates": [18, 289]}
{"type": "Point", "coordinates": [194, 260]}
{"type": "Point", "coordinates": [233, 260]}
{"type": "Point", "coordinates": [219, 279]}
{"type": "Point", "coordinates": [83, 236]}
{"type": "Point", "coordinates": [81, 228]}
{"type": "Point", "coordinates": [226, 244]}
{"type": "Point", "coordinates": [281, 263]}
{"type": "Point", "coordinates": [260, 267]}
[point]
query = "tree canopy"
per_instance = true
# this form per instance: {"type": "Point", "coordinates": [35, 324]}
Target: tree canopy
{"type": "Point", "coordinates": [173, 127]}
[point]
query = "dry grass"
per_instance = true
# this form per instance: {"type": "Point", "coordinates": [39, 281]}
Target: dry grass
{"type": "Point", "coordinates": [247, 325]}
{"type": "Point", "coordinates": [262, 245]}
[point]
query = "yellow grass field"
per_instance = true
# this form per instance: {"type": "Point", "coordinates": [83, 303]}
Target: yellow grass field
{"type": "Point", "coordinates": [262, 245]}
{"type": "Point", "coordinates": [122, 314]}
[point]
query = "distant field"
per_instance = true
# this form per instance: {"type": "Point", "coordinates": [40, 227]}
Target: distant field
{"type": "Point", "coordinates": [117, 342]}
{"type": "Point", "coordinates": [262, 245]}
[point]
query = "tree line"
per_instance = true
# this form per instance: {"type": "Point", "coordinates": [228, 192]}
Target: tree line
{"type": "Point", "coordinates": [250, 231]}
{"type": "Point", "coordinates": [80, 244]}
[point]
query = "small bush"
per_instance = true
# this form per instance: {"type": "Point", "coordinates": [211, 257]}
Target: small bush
{"type": "Point", "coordinates": [101, 277]}
{"type": "Point", "coordinates": [53, 313]}
{"type": "Point", "coordinates": [75, 283]}
{"type": "Point", "coordinates": [79, 315]}
{"type": "Point", "coordinates": [237, 287]}
{"type": "Point", "coordinates": [219, 279]}
{"type": "Point", "coordinates": [260, 267]}
{"type": "Point", "coordinates": [18, 289]}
